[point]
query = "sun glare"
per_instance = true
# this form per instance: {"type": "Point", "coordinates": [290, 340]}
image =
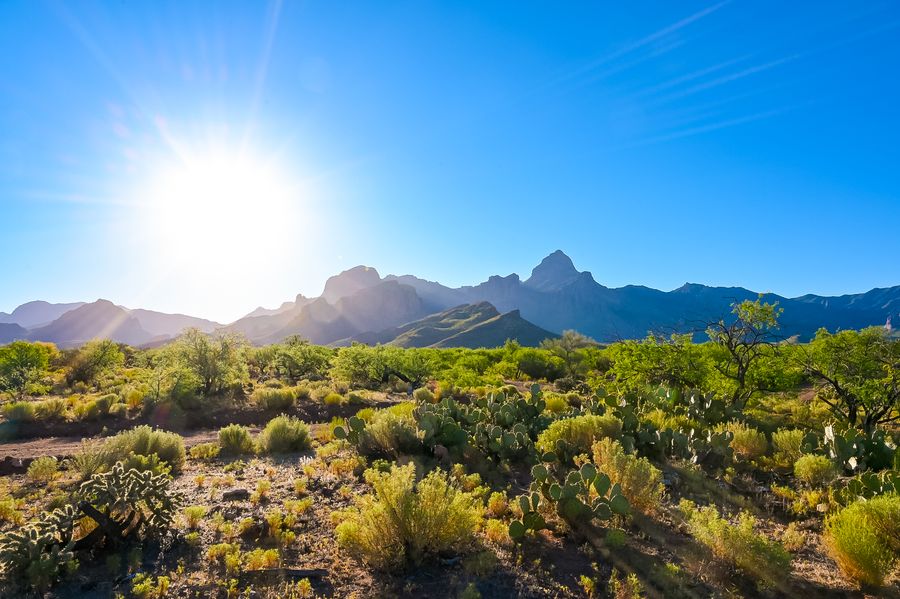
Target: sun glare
{"type": "Point", "coordinates": [220, 210]}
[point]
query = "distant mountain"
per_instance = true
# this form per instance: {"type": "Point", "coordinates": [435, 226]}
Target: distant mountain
{"type": "Point", "coordinates": [406, 310]}
{"type": "Point", "coordinates": [159, 324]}
{"type": "Point", "coordinates": [10, 331]}
{"type": "Point", "coordinates": [472, 325]}
{"type": "Point", "coordinates": [100, 319]}
{"type": "Point", "coordinates": [37, 313]}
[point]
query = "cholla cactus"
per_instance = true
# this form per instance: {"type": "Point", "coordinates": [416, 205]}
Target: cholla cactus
{"type": "Point", "coordinates": [128, 502]}
{"type": "Point", "coordinates": [36, 553]}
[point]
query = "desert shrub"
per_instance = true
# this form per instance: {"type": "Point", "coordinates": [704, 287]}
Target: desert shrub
{"type": "Point", "coordinates": [19, 411]}
{"type": "Point", "coordinates": [193, 515]}
{"type": "Point", "coordinates": [402, 521]}
{"type": "Point", "coordinates": [573, 436]}
{"type": "Point", "coordinates": [333, 399]}
{"type": "Point", "coordinates": [50, 409]}
{"type": "Point", "coordinates": [497, 505]}
{"type": "Point", "coordinates": [640, 481]}
{"type": "Point", "coordinates": [42, 469]}
{"type": "Point", "coordinates": [87, 409]}
{"type": "Point", "coordinates": [235, 439]}
{"type": "Point", "coordinates": [793, 538]}
{"type": "Point", "coordinates": [269, 398]}
{"type": "Point", "coordinates": [663, 419]}
{"type": "Point", "coordinates": [555, 403]}
{"type": "Point", "coordinates": [389, 432]}
{"type": "Point", "coordinates": [89, 459]}
{"type": "Point", "coordinates": [864, 538]}
{"type": "Point", "coordinates": [205, 451]}
{"type": "Point", "coordinates": [301, 392]}
{"type": "Point", "coordinates": [118, 410]}
{"type": "Point", "coordinates": [787, 445]}
{"type": "Point", "coordinates": [261, 559]}
{"type": "Point", "coordinates": [748, 443]}
{"type": "Point", "coordinates": [423, 395]}
{"type": "Point", "coordinates": [145, 441]}
{"type": "Point", "coordinates": [284, 434]}
{"type": "Point", "coordinates": [815, 470]}
{"type": "Point", "coordinates": [764, 559]}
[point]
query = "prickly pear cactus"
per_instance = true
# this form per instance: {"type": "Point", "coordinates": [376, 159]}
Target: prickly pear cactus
{"type": "Point", "coordinates": [355, 426]}
{"type": "Point", "coordinates": [582, 496]}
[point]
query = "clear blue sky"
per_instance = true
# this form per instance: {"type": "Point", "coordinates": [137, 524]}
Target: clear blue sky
{"type": "Point", "coordinates": [748, 143]}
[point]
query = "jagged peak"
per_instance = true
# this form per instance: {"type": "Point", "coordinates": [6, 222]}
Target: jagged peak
{"type": "Point", "coordinates": [554, 272]}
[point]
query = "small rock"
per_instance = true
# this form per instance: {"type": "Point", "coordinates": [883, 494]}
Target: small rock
{"type": "Point", "coordinates": [236, 495]}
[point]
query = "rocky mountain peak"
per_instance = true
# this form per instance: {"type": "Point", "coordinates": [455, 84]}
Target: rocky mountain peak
{"type": "Point", "coordinates": [554, 272]}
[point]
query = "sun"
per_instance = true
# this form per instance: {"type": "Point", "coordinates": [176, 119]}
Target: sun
{"type": "Point", "coordinates": [219, 210]}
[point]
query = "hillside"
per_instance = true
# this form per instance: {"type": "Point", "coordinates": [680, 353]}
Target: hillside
{"type": "Point", "coordinates": [471, 325]}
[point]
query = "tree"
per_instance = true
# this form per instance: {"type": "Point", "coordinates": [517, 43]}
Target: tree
{"type": "Point", "coordinates": [296, 358]}
{"type": "Point", "coordinates": [93, 359]}
{"type": "Point", "coordinates": [23, 364]}
{"type": "Point", "coordinates": [743, 341]}
{"type": "Point", "coordinates": [858, 375]}
{"type": "Point", "coordinates": [568, 347]}
{"type": "Point", "coordinates": [675, 362]}
{"type": "Point", "coordinates": [217, 361]}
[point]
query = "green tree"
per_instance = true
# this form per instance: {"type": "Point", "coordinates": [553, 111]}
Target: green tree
{"type": "Point", "coordinates": [569, 347]}
{"type": "Point", "coordinates": [675, 362]}
{"type": "Point", "coordinates": [744, 341]}
{"type": "Point", "coordinates": [23, 364]}
{"type": "Point", "coordinates": [296, 358]}
{"type": "Point", "coordinates": [217, 361]}
{"type": "Point", "coordinates": [93, 359]}
{"type": "Point", "coordinates": [858, 375]}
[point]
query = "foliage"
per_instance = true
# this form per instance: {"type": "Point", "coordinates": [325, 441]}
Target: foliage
{"type": "Point", "coordinates": [145, 441]}
{"type": "Point", "coordinates": [864, 538]}
{"type": "Point", "coordinates": [94, 359]}
{"type": "Point", "coordinates": [568, 348]}
{"type": "Point", "coordinates": [43, 469]}
{"type": "Point", "coordinates": [404, 522]}
{"type": "Point", "coordinates": [569, 437]}
{"type": "Point", "coordinates": [858, 375]}
{"type": "Point", "coordinates": [216, 363]}
{"type": "Point", "coordinates": [23, 364]}
{"type": "Point", "coordinates": [815, 470]}
{"type": "Point", "coordinates": [273, 399]}
{"type": "Point", "coordinates": [284, 434]}
{"type": "Point", "coordinates": [205, 451]}
{"type": "Point", "coordinates": [640, 481]}
{"type": "Point", "coordinates": [764, 559]}
{"type": "Point", "coordinates": [235, 439]}
{"type": "Point", "coordinates": [789, 445]}
{"type": "Point", "coordinates": [747, 443]}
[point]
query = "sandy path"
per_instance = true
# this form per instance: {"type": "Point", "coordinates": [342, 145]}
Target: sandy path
{"type": "Point", "coordinates": [66, 446]}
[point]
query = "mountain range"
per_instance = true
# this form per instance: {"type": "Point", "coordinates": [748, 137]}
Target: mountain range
{"type": "Point", "coordinates": [361, 305]}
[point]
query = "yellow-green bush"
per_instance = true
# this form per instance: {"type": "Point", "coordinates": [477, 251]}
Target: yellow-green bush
{"type": "Point", "coordinates": [284, 434]}
{"type": "Point", "coordinates": [423, 395]}
{"type": "Point", "coordinates": [274, 399]}
{"type": "Point", "coordinates": [145, 441]}
{"type": "Point", "coordinates": [864, 538]}
{"type": "Point", "coordinates": [640, 481]}
{"type": "Point", "coordinates": [815, 470]}
{"type": "Point", "coordinates": [787, 445]}
{"type": "Point", "coordinates": [578, 434]}
{"type": "Point", "coordinates": [762, 558]}
{"type": "Point", "coordinates": [748, 443]}
{"type": "Point", "coordinates": [402, 521]}
{"type": "Point", "coordinates": [43, 469]}
{"type": "Point", "coordinates": [389, 432]}
{"type": "Point", "coordinates": [19, 411]}
{"type": "Point", "coordinates": [556, 403]}
{"type": "Point", "coordinates": [235, 439]}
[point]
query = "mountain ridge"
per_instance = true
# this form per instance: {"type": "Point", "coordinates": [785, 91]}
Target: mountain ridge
{"type": "Point", "coordinates": [360, 304]}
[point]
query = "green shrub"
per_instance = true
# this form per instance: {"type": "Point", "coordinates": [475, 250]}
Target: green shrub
{"type": "Point", "coordinates": [284, 434]}
{"type": "Point", "coordinates": [640, 481]}
{"type": "Point", "coordinates": [19, 411]}
{"type": "Point", "coordinates": [333, 399]}
{"type": "Point", "coordinates": [815, 470]}
{"type": "Point", "coordinates": [748, 443]}
{"type": "Point", "coordinates": [274, 399]}
{"type": "Point", "coordinates": [205, 451]}
{"type": "Point", "coordinates": [406, 522]}
{"type": "Point", "coordinates": [423, 395]}
{"type": "Point", "coordinates": [864, 538]}
{"type": "Point", "coordinates": [235, 439]}
{"type": "Point", "coordinates": [50, 409]}
{"type": "Point", "coordinates": [573, 436]}
{"type": "Point", "coordinates": [43, 469]}
{"type": "Point", "coordinates": [555, 403]}
{"type": "Point", "coordinates": [764, 559]}
{"type": "Point", "coordinates": [145, 441]}
{"type": "Point", "coordinates": [787, 445]}
{"type": "Point", "coordinates": [389, 432]}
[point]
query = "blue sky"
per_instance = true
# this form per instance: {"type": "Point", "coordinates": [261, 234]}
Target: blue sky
{"type": "Point", "coordinates": [734, 143]}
